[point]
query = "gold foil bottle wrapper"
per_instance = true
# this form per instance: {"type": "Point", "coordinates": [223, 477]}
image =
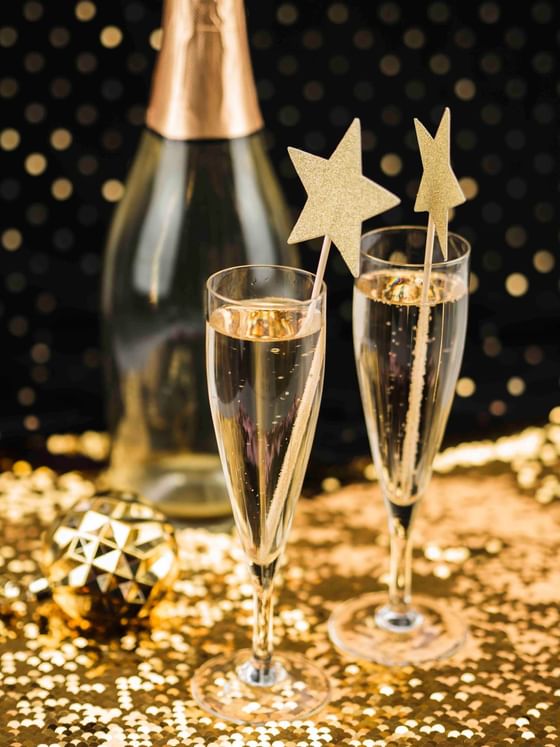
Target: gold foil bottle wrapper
{"type": "Point", "coordinates": [203, 85]}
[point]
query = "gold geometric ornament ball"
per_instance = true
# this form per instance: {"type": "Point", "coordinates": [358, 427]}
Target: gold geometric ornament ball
{"type": "Point", "coordinates": [109, 559]}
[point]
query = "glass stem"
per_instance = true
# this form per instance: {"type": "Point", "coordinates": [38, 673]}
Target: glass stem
{"type": "Point", "coordinates": [400, 574]}
{"type": "Point", "coordinates": [261, 670]}
{"type": "Point", "coordinates": [399, 615]}
{"type": "Point", "coordinates": [262, 625]}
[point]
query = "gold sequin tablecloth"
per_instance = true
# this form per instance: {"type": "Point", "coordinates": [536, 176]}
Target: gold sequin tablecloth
{"type": "Point", "coordinates": [483, 544]}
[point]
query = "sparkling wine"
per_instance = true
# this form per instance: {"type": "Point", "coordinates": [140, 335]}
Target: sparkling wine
{"type": "Point", "coordinates": [201, 195]}
{"type": "Point", "coordinates": [386, 311]}
{"type": "Point", "coordinates": [260, 358]}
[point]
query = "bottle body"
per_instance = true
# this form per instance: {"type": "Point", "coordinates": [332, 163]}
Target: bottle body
{"type": "Point", "coordinates": [191, 207]}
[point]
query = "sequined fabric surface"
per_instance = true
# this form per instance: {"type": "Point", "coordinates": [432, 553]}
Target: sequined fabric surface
{"type": "Point", "coordinates": [483, 543]}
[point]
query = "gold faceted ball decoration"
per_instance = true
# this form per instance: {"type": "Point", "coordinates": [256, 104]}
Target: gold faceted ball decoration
{"type": "Point", "coordinates": [109, 559]}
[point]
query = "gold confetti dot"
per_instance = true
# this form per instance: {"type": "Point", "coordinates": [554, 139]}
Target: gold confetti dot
{"type": "Point", "coordinates": [18, 326]}
{"type": "Point", "coordinates": [369, 472]}
{"type": "Point", "coordinates": [11, 239]}
{"type": "Point", "coordinates": [544, 261]}
{"type": "Point", "coordinates": [516, 236]}
{"type": "Point", "coordinates": [492, 346]}
{"type": "Point", "coordinates": [466, 387]}
{"type": "Point", "coordinates": [330, 484]}
{"type": "Point", "coordinates": [156, 38]}
{"type": "Point", "coordinates": [35, 164]}
{"type": "Point", "coordinates": [414, 38]}
{"type": "Point", "coordinates": [26, 396]}
{"type": "Point", "coordinates": [391, 164]}
{"type": "Point", "coordinates": [465, 89]}
{"type": "Point", "coordinates": [32, 10]}
{"type": "Point", "coordinates": [516, 386]}
{"type": "Point", "coordinates": [9, 139]}
{"type": "Point", "coordinates": [40, 352]}
{"type": "Point", "coordinates": [473, 282]}
{"type": "Point", "coordinates": [21, 467]}
{"type": "Point", "coordinates": [533, 355]}
{"type": "Point", "coordinates": [61, 189]}
{"type": "Point", "coordinates": [469, 187]}
{"type": "Point", "coordinates": [111, 37]}
{"type": "Point", "coordinates": [489, 12]}
{"type": "Point", "coordinates": [287, 14]}
{"type": "Point", "coordinates": [112, 190]}
{"type": "Point", "coordinates": [440, 64]}
{"type": "Point", "coordinates": [31, 422]}
{"type": "Point", "coordinates": [8, 87]}
{"type": "Point", "coordinates": [517, 284]}
{"type": "Point", "coordinates": [61, 139]}
{"type": "Point", "coordinates": [498, 407]}
{"type": "Point", "coordinates": [337, 13]}
{"type": "Point", "coordinates": [85, 10]}
{"type": "Point", "coordinates": [59, 37]}
{"type": "Point", "coordinates": [8, 36]}
{"type": "Point", "coordinates": [390, 65]}
{"type": "Point", "coordinates": [554, 415]}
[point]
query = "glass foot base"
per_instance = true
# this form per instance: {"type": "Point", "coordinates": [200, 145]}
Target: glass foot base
{"type": "Point", "coordinates": [220, 686]}
{"type": "Point", "coordinates": [434, 633]}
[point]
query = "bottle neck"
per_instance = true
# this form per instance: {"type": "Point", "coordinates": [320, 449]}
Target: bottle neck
{"type": "Point", "coordinates": [203, 86]}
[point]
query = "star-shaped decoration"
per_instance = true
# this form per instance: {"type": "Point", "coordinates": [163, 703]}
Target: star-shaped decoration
{"type": "Point", "coordinates": [439, 189]}
{"type": "Point", "coordinates": [339, 197]}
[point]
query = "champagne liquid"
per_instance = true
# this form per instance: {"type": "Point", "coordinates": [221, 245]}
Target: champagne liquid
{"type": "Point", "coordinates": [259, 362]}
{"type": "Point", "coordinates": [386, 311]}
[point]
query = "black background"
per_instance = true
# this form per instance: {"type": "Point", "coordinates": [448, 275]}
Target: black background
{"type": "Point", "coordinates": [317, 65]}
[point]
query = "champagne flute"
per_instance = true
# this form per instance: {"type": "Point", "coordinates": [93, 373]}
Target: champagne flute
{"type": "Point", "coordinates": [265, 351]}
{"type": "Point", "coordinates": [387, 300]}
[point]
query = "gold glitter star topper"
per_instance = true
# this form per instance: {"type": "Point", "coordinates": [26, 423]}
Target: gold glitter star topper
{"type": "Point", "coordinates": [438, 192]}
{"type": "Point", "coordinates": [439, 189]}
{"type": "Point", "coordinates": [339, 198]}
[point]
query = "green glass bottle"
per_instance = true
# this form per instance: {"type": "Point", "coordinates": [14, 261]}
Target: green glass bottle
{"type": "Point", "coordinates": [201, 195]}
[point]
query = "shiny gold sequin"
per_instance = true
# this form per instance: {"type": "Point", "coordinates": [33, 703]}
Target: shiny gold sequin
{"type": "Point", "coordinates": [483, 544]}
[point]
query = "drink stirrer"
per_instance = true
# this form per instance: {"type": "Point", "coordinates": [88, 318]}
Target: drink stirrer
{"type": "Point", "coordinates": [438, 192]}
{"type": "Point", "coordinates": [339, 199]}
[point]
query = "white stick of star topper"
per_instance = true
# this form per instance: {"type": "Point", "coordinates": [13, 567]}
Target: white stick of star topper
{"type": "Point", "coordinates": [339, 199]}
{"type": "Point", "coordinates": [438, 192]}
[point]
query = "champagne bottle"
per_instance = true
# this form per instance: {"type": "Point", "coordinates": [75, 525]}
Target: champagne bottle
{"type": "Point", "coordinates": [201, 196]}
